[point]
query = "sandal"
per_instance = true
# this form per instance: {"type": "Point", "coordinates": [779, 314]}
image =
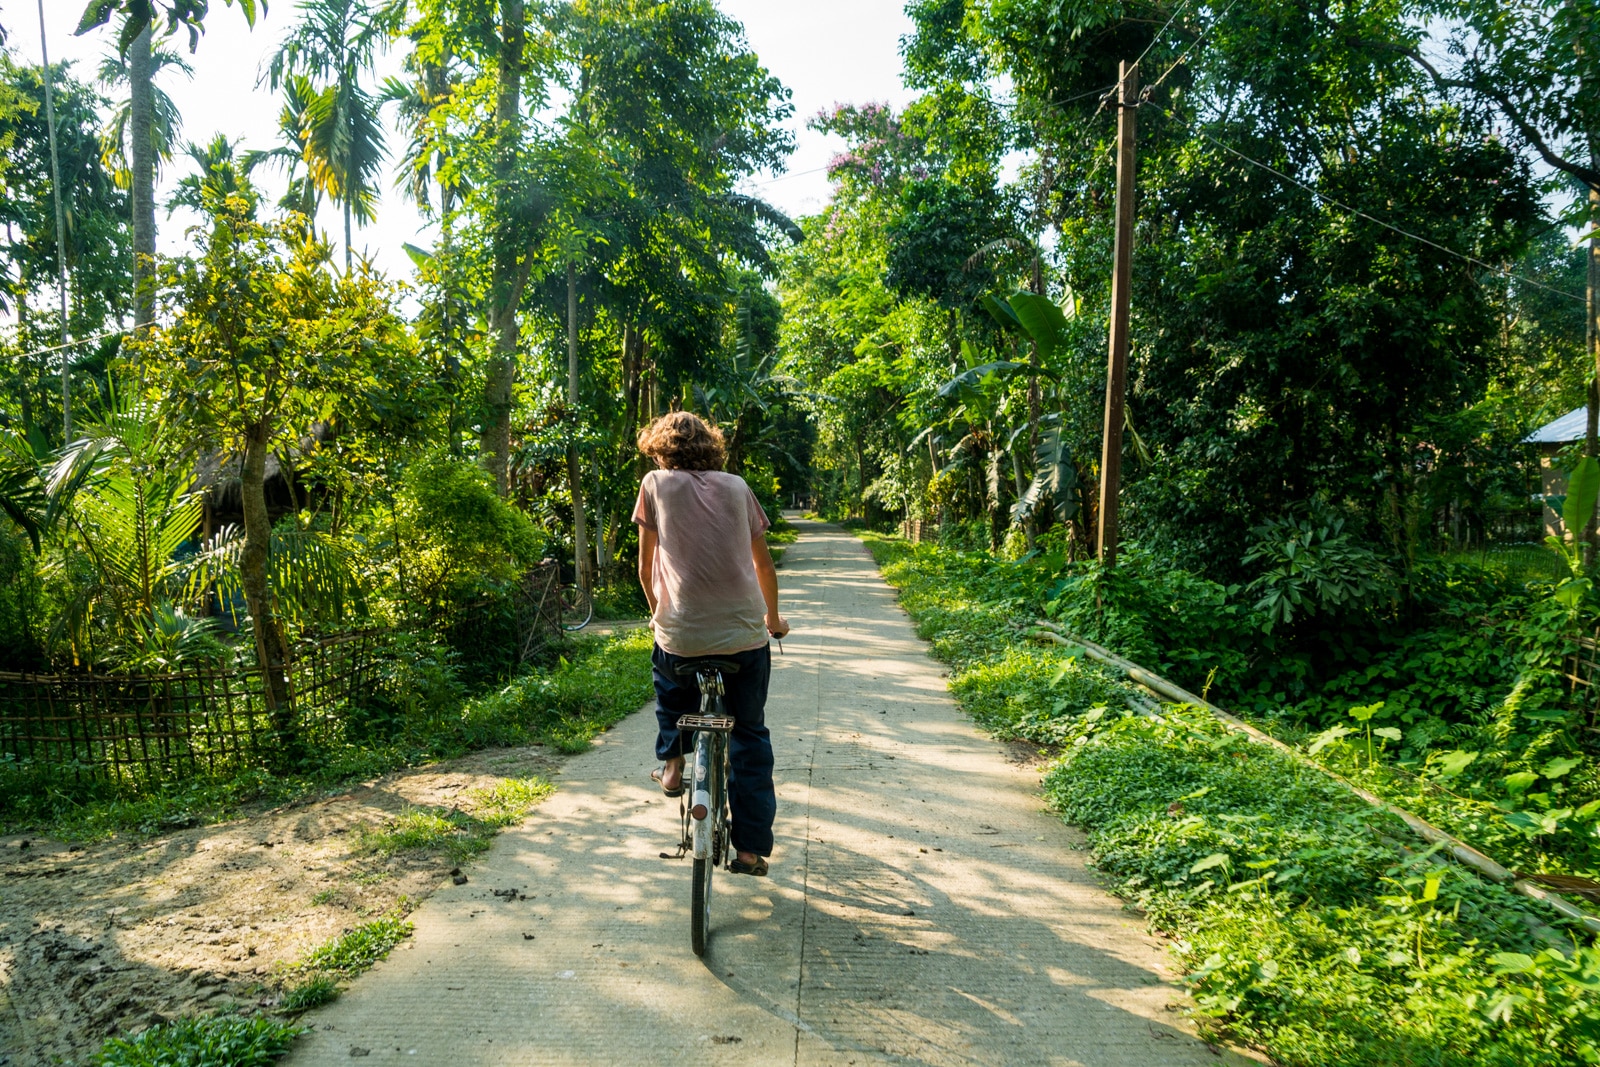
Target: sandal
{"type": "Point", "coordinates": [758, 869]}
{"type": "Point", "coordinates": [655, 776]}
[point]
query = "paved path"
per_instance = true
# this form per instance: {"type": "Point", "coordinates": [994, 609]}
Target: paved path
{"type": "Point", "coordinates": [922, 908]}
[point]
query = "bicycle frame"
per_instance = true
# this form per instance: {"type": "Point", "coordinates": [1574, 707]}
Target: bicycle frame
{"type": "Point", "coordinates": [708, 798]}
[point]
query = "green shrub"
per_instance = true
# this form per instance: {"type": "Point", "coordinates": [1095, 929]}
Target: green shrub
{"type": "Point", "coordinates": [454, 500]}
{"type": "Point", "coordinates": [209, 1041]}
{"type": "Point", "coordinates": [568, 706]}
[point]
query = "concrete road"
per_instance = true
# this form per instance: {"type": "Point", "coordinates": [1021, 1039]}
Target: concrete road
{"type": "Point", "coordinates": [922, 909]}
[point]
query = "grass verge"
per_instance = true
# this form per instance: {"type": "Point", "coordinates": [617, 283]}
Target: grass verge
{"type": "Point", "coordinates": [208, 1041]}
{"type": "Point", "coordinates": [1309, 924]}
{"type": "Point", "coordinates": [458, 834]}
{"type": "Point", "coordinates": [314, 979]}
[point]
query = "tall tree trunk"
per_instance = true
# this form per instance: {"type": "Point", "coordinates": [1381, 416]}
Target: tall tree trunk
{"type": "Point", "coordinates": [347, 246]}
{"type": "Point", "coordinates": [141, 137]}
{"type": "Point", "coordinates": [580, 533]}
{"type": "Point", "coordinates": [61, 227]}
{"type": "Point", "coordinates": [1590, 535]}
{"type": "Point", "coordinates": [1032, 525]}
{"type": "Point", "coordinates": [953, 339]}
{"type": "Point", "coordinates": [505, 289]}
{"type": "Point", "coordinates": [257, 592]}
{"type": "Point", "coordinates": [631, 373]}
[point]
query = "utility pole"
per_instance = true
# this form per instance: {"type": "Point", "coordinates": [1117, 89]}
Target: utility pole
{"type": "Point", "coordinates": [1121, 280]}
{"type": "Point", "coordinates": [61, 232]}
{"type": "Point", "coordinates": [580, 533]}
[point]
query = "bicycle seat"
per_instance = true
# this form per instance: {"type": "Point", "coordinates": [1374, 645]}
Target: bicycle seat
{"type": "Point", "coordinates": [691, 667]}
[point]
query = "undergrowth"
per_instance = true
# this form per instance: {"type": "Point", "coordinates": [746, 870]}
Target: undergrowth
{"type": "Point", "coordinates": [314, 979]}
{"type": "Point", "coordinates": [1310, 924]}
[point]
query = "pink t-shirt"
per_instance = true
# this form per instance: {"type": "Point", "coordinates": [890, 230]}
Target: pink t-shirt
{"type": "Point", "coordinates": [708, 601]}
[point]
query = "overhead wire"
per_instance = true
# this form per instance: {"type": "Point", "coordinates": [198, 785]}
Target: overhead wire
{"type": "Point", "coordinates": [1162, 31]}
{"type": "Point", "coordinates": [1348, 209]}
{"type": "Point", "coordinates": [1108, 94]}
{"type": "Point", "coordinates": [71, 344]}
{"type": "Point", "coordinates": [1192, 45]}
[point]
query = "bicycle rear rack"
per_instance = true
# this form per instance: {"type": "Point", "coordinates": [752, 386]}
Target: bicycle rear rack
{"type": "Point", "coordinates": [716, 723]}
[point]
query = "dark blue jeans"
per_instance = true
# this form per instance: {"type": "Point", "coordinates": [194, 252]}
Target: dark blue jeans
{"type": "Point", "coordinates": [750, 792]}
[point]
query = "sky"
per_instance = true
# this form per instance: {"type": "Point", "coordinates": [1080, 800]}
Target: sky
{"type": "Point", "coordinates": [824, 51]}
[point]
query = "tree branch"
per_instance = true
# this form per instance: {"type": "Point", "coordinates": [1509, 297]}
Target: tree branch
{"type": "Point", "coordinates": [1589, 176]}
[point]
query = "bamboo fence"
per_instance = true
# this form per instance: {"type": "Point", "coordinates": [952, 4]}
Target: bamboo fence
{"type": "Point", "coordinates": [149, 727]}
{"type": "Point", "coordinates": [146, 727]}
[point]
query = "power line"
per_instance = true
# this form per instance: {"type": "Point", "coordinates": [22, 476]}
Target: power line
{"type": "Point", "coordinates": [1325, 198]}
{"type": "Point", "coordinates": [1192, 45]}
{"type": "Point", "coordinates": [1161, 32]}
{"type": "Point", "coordinates": [791, 174]}
{"type": "Point", "coordinates": [71, 344]}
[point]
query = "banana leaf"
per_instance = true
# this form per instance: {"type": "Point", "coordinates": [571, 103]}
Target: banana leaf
{"type": "Point", "coordinates": [1043, 320]}
{"type": "Point", "coordinates": [1055, 480]}
{"type": "Point", "coordinates": [972, 379]}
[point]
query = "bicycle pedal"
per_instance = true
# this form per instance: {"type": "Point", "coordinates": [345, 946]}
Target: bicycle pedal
{"type": "Point", "coordinates": [715, 723]}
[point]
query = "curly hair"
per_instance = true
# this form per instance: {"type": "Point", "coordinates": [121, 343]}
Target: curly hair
{"type": "Point", "coordinates": [682, 440]}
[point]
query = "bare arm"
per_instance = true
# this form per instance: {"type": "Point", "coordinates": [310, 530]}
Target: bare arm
{"type": "Point", "coordinates": [767, 575]}
{"type": "Point", "coordinates": [647, 565]}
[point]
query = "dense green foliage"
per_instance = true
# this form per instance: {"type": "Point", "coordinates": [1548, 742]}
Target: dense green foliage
{"type": "Point", "coordinates": [1309, 923]}
{"type": "Point", "coordinates": [1351, 296]}
{"type": "Point", "coordinates": [290, 447]}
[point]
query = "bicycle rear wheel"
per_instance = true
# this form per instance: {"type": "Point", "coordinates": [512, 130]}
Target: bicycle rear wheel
{"type": "Point", "coordinates": [704, 789]}
{"type": "Point", "coordinates": [700, 905]}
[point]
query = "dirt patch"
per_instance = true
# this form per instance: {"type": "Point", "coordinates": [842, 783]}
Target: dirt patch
{"type": "Point", "coordinates": [1029, 754]}
{"type": "Point", "coordinates": [106, 939]}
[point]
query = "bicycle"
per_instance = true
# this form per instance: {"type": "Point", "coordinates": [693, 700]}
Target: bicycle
{"type": "Point", "coordinates": [706, 820]}
{"type": "Point", "coordinates": [574, 603]}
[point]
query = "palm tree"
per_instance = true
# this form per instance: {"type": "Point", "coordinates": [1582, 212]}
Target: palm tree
{"type": "Point", "coordinates": [167, 122]}
{"type": "Point", "coordinates": [336, 43]}
{"type": "Point", "coordinates": [416, 103]}
{"type": "Point", "coordinates": [221, 174]}
{"type": "Point", "coordinates": [137, 19]}
{"type": "Point", "coordinates": [303, 194]}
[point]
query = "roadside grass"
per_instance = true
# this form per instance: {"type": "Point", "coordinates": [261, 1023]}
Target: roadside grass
{"type": "Point", "coordinates": [1310, 924]}
{"type": "Point", "coordinates": [569, 705]}
{"type": "Point", "coordinates": [355, 951]}
{"type": "Point", "coordinates": [314, 992]}
{"type": "Point", "coordinates": [204, 1041]}
{"type": "Point", "coordinates": [314, 979]}
{"type": "Point", "coordinates": [458, 834]}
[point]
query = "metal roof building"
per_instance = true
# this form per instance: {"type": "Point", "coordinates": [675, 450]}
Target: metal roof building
{"type": "Point", "coordinates": [1568, 428]}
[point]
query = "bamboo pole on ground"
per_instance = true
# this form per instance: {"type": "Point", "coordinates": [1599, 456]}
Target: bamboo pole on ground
{"type": "Point", "coordinates": [1462, 852]}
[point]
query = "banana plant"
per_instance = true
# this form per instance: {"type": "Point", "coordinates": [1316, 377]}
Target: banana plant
{"type": "Point", "coordinates": [1055, 485]}
{"type": "Point", "coordinates": [1583, 489]}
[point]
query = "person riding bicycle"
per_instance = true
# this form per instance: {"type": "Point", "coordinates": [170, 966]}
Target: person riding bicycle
{"type": "Point", "coordinates": [712, 590]}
